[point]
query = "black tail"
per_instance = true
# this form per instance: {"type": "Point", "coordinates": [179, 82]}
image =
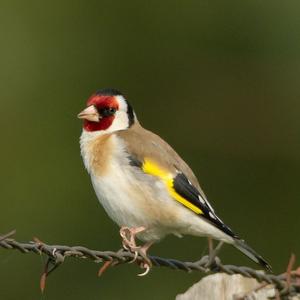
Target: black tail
{"type": "Point", "coordinates": [248, 251]}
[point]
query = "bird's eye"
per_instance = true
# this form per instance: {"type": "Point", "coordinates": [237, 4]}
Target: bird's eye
{"type": "Point", "coordinates": [107, 111]}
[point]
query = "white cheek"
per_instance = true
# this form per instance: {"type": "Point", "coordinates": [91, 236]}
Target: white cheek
{"type": "Point", "coordinates": [122, 103]}
{"type": "Point", "coordinates": [120, 122]}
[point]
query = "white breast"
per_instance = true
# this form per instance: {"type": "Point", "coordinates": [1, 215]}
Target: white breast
{"type": "Point", "coordinates": [119, 196]}
{"type": "Point", "coordinates": [132, 198]}
{"type": "Point", "coordinates": [126, 194]}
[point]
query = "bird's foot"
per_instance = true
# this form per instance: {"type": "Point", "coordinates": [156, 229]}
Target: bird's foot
{"type": "Point", "coordinates": [128, 237]}
{"type": "Point", "coordinates": [145, 263]}
{"type": "Point", "coordinates": [128, 241]}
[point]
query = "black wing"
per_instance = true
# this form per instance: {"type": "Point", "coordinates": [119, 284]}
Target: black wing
{"type": "Point", "coordinates": [185, 189]}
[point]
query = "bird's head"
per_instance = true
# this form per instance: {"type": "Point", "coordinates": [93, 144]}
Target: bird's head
{"type": "Point", "coordinates": [107, 111]}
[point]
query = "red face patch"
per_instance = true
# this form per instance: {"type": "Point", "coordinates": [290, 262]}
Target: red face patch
{"type": "Point", "coordinates": [101, 102]}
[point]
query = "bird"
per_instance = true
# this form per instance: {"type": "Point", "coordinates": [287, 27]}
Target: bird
{"type": "Point", "coordinates": [142, 183]}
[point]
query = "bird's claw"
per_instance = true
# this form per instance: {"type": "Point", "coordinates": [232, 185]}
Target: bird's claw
{"type": "Point", "coordinates": [146, 266]}
{"type": "Point", "coordinates": [136, 254]}
{"type": "Point", "coordinates": [145, 261]}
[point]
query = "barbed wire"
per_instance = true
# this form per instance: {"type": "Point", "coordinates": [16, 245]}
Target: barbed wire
{"type": "Point", "coordinates": [287, 284]}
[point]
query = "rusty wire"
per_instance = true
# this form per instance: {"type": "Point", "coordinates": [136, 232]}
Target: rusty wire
{"type": "Point", "coordinates": [286, 284]}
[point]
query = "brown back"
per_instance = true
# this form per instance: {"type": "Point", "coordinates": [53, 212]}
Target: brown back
{"type": "Point", "coordinates": [143, 143]}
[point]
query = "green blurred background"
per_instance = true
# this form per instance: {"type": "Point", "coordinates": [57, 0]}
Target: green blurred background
{"type": "Point", "coordinates": [219, 80]}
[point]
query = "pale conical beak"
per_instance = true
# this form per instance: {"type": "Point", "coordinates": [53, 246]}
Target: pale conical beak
{"type": "Point", "coordinates": [90, 114]}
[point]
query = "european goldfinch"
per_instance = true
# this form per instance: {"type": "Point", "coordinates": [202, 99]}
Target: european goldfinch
{"type": "Point", "coordinates": [141, 182]}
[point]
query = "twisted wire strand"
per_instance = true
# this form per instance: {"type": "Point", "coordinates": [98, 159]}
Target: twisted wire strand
{"type": "Point", "coordinates": [57, 253]}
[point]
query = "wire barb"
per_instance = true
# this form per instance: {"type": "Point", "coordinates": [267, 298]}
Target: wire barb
{"type": "Point", "coordinates": [287, 284]}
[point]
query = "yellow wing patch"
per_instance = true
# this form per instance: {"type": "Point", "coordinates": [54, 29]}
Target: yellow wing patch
{"type": "Point", "coordinates": [153, 169]}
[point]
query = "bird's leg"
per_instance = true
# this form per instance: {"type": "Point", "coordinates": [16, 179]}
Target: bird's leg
{"type": "Point", "coordinates": [213, 252]}
{"type": "Point", "coordinates": [128, 237]}
{"type": "Point", "coordinates": [210, 245]}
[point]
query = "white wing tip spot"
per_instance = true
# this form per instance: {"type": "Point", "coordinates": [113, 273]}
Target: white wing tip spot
{"type": "Point", "coordinates": [201, 199]}
{"type": "Point", "coordinates": [212, 215]}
